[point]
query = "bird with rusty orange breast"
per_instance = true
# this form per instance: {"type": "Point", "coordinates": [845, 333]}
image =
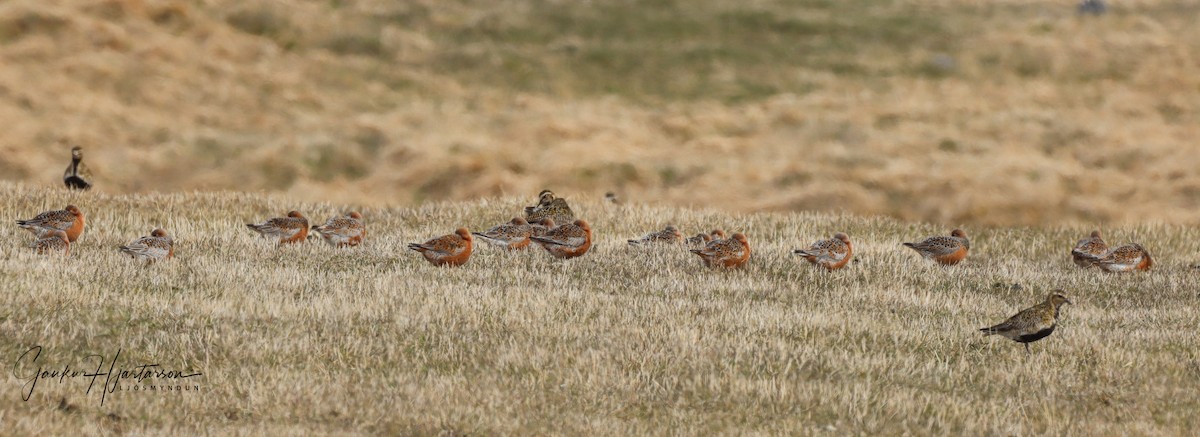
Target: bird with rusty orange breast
{"type": "Point", "coordinates": [832, 254]}
{"type": "Point", "coordinates": [343, 231]}
{"type": "Point", "coordinates": [541, 227]}
{"type": "Point", "coordinates": [285, 230]}
{"type": "Point", "coordinates": [668, 235]}
{"type": "Point", "coordinates": [450, 250]}
{"type": "Point", "coordinates": [567, 241]}
{"type": "Point", "coordinates": [511, 235]}
{"type": "Point", "coordinates": [158, 246]}
{"type": "Point", "coordinates": [945, 250]}
{"type": "Point", "coordinates": [52, 242]}
{"type": "Point", "coordinates": [729, 252]}
{"type": "Point", "coordinates": [1089, 248]}
{"type": "Point", "coordinates": [70, 220]}
{"type": "Point", "coordinates": [1128, 258]}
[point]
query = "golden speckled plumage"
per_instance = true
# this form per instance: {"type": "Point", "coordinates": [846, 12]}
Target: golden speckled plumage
{"type": "Point", "coordinates": [1033, 323]}
{"type": "Point", "coordinates": [668, 235]}
{"type": "Point", "coordinates": [549, 206]}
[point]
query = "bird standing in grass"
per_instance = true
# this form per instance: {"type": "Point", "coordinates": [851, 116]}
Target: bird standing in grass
{"type": "Point", "coordinates": [158, 246]}
{"type": "Point", "coordinates": [344, 231]}
{"type": "Point", "coordinates": [1088, 249]}
{"type": "Point", "coordinates": [69, 220]}
{"type": "Point", "coordinates": [550, 206]}
{"type": "Point", "coordinates": [669, 235]}
{"type": "Point", "coordinates": [1127, 258]}
{"type": "Point", "coordinates": [832, 254]}
{"type": "Point", "coordinates": [54, 241]}
{"type": "Point", "coordinates": [567, 241]}
{"type": "Point", "coordinates": [1033, 323]}
{"type": "Point", "coordinates": [77, 176]}
{"type": "Point", "coordinates": [731, 252]}
{"type": "Point", "coordinates": [448, 250]}
{"type": "Point", "coordinates": [945, 250]}
{"type": "Point", "coordinates": [287, 230]}
{"type": "Point", "coordinates": [512, 235]}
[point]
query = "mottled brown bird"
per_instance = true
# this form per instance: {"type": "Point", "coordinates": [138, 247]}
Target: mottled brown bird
{"type": "Point", "coordinates": [286, 230]}
{"type": "Point", "coordinates": [1088, 249]}
{"type": "Point", "coordinates": [549, 206]}
{"type": "Point", "coordinates": [541, 227]}
{"type": "Point", "coordinates": [567, 241]}
{"type": "Point", "coordinates": [697, 240]}
{"type": "Point", "coordinates": [668, 235]}
{"type": "Point", "coordinates": [345, 231]}
{"type": "Point", "coordinates": [945, 250]}
{"type": "Point", "coordinates": [731, 252]}
{"type": "Point", "coordinates": [69, 220]}
{"type": "Point", "coordinates": [832, 254]}
{"type": "Point", "coordinates": [512, 235]}
{"type": "Point", "coordinates": [78, 176]}
{"type": "Point", "coordinates": [53, 242]}
{"type": "Point", "coordinates": [1127, 258]}
{"type": "Point", "coordinates": [157, 246]}
{"type": "Point", "coordinates": [1033, 323]}
{"type": "Point", "coordinates": [448, 250]}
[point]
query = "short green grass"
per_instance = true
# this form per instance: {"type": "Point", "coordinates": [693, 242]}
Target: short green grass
{"type": "Point", "coordinates": [373, 340]}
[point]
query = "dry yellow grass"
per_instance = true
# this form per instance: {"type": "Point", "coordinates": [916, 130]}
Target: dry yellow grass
{"type": "Point", "coordinates": [947, 111]}
{"type": "Point", "coordinates": [373, 340]}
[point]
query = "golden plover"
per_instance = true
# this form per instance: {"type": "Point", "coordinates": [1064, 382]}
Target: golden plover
{"type": "Point", "coordinates": [1033, 323]}
{"type": "Point", "coordinates": [77, 176]}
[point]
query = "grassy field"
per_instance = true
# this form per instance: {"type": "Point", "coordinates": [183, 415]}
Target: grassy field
{"type": "Point", "coordinates": [1001, 113]}
{"type": "Point", "coordinates": [373, 340]}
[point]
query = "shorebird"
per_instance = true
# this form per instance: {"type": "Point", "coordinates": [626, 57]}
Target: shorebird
{"type": "Point", "coordinates": [77, 176]}
{"type": "Point", "coordinates": [612, 198]}
{"type": "Point", "coordinates": [53, 241]}
{"type": "Point", "coordinates": [1126, 258]}
{"type": "Point", "coordinates": [550, 206]}
{"type": "Point", "coordinates": [344, 231]}
{"type": "Point", "coordinates": [567, 241]}
{"type": "Point", "coordinates": [1033, 323]}
{"type": "Point", "coordinates": [1088, 249]}
{"type": "Point", "coordinates": [832, 254]}
{"type": "Point", "coordinates": [512, 235]}
{"type": "Point", "coordinates": [945, 250]}
{"type": "Point", "coordinates": [447, 250]}
{"type": "Point", "coordinates": [698, 240]}
{"type": "Point", "coordinates": [69, 220]}
{"type": "Point", "coordinates": [157, 246]}
{"type": "Point", "coordinates": [669, 235]}
{"type": "Point", "coordinates": [541, 227]}
{"type": "Point", "coordinates": [731, 252]}
{"type": "Point", "coordinates": [287, 230]}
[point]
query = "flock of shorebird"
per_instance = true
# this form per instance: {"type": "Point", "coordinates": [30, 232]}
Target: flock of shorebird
{"type": "Point", "coordinates": [552, 225]}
